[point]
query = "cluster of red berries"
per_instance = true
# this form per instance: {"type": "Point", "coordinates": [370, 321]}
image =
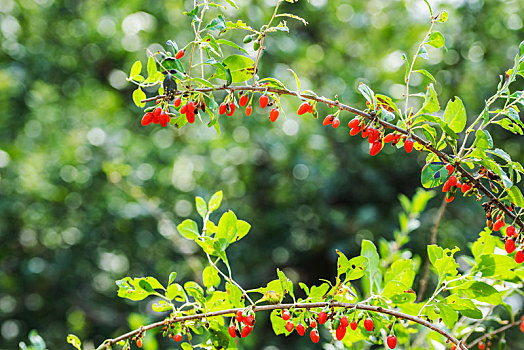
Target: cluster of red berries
{"type": "Point", "coordinates": [158, 116]}
{"type": "Point", "coordinates": [246, 322]}
{"type": "Point", "coordinates": [341, 326]}
{"type": "Point", "coordinates": [331, 120]}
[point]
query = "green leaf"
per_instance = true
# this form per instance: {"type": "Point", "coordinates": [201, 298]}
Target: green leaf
{"type": "Point", "coordinates": [138, 96]}
{"type": "Point", "coordinates": [275, 83]}
{"type": "Point", "coordinates": [203, 82]}
{"type": "Point", "coordinates": [515, 196]}
{"type": "Point", "coordinates": [151, 69]}
{"type": "Point", "coordinates": [443, 125]}
{"type": "Point", "coordinates": [430, 133]}
{"type": "Point", "coordinates": [398, 293]}
{"type": "Point", "coordinates": [175, 292]}
{"type": "Point", "coordinates": [201, 206]}
{"type": "Point", "coordinates": [286, 283]}
{"type": "Point", "coordinates": [509, 125]}
{"type": "Point", "coordinates": [296, 79]}
{"type": "Point", "coordinates": [210, 277]}
{"type": "Point", "coordinates": [234, 295]}
{"type": "Point", "coordinates": [426, 73]}
{"type": "Point", "coordinates": [217, 23]}
{"type": "Point", "coordinates": [483, 139]}
{"type": "Point", "coordinates": [172, 277]}
{"type": "Point", "coordinates": [277, 323]}
{"type": "Point", "coordinates": [405, 59]}
{"type": "Point", "coordinates": [193, 289]}
{"type": "Point", "coordinates": [433, 174]}
{"type": "Point", "coordinates": [133, 288]}
{"type": "Point", "coordinates": [193, 14]}
{"type": "Point", "coordinates": [495, 266]}
{"type": "Point", "coordinates": [232, 44]}
{"type": "Point", "coordinates": [354, 268]}
{"type": "Point", "coordinates": [214, 202]}
{"type": "Point", "coordinates": [136, 68]}
{"type": "Point", "coordinates": [465, 306]}
{"type": "Point", "coordinates": [485, 244]}
{"type": "Point", "coordinates": [188, 229]}
{"type": "Point", "coordinates": [423, 53]}
{"type": "Point", "coordinates": [449, 316]}
{"type": "Point", "coordinates": [443, 261]}
{"type": "Point", "coordinates": [186, 346]}
{"type": "Point", "coordinates": [430, 104]}
{"type": "Point", "coordinates": [436, 39]}
{"type": "Point", "coordinates": [372, 274]}
{"type": "Point", "coordinates": [227, 226]}
{"type": "Point", "coordinates": [161, 306]}
{"type": "Point", "coordinates": [403, 271]}
{"type": "Point", "coordinates": [443, 17]}
{"type": "Point", "coordinates": [232, 3]}
{"type": "Point", "coordinates": [242, 230]}
{"type": "Point", "coordinates": [75, 341]}
{"type": "Point", "coordinates": [455, 115]}
{"type": "Point", "coordinates": [367, 93]}
{"type": "Point", "coordinates": [241, 68]}
{"type": "Point", "coordinates": [479, 291]}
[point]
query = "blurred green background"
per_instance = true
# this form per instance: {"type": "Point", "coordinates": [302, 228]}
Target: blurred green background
{"type": "Point", "coordinates": [88, 196]}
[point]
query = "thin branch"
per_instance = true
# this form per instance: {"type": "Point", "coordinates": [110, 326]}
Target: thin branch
{"type": "Point", "coordinates": [432, 240]}
{"type": "Point", "coordinates": [263, 36]}
{"type": "Point", "coordinates": [427, 145]}
{"type": "Point", "coordinates": [358, 306]}
{"type": "Point", "coordinates": [496, 331]}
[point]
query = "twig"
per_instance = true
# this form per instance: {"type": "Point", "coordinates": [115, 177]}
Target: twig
{"type": "Point", "coordinates": [496, 331]}
{"type": "Point", "coordinates": [262, 37]}
{"type": "Point", "coordinates": [432, 240]}
{"type": "Point", "coordinates": [427, 145]}
{"type": "Point", "coordinates": [358, 306]}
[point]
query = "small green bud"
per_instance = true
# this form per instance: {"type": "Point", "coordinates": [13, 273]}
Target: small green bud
{"type": "Point", "coordinates": [256, 45]}
{"type": "Point", "coordinates": [248, 38]}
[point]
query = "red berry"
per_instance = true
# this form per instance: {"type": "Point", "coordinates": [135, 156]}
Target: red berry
{"type": "Point", "coordinates": [303, 108]}
{"type": "Point", "coordinates": [164, 119]}
{"type": "Point", "coordinates": [183, 110]}
{"type": "Point", "coordinates": [231, 109]}
{"type": "Point", "coordinates": [335, 123]}
{"type": "Point", "coordinates": [354, 325]}
{"type": "Point", "coordinates": [522, 326]}
{"type": "Point", "coordinates": [354, 131]}
{"type": "Point", "coordinates": [510, 231]}
{"type": "Point", "coordinates": [286, 315]}
{"type": "Point", "coordinates": [519, 257]}
{"type": "Point", "coordinates": [245, 331]}
{"type": "Point", "coordinates": [178, 101]}
{"type": "Point", "coordinates": [408, 145]}
{"type": "Point", "coordinates": [263, 100]}
{"type": "Point", "coordinates": [190, 116]}
{"type": "Point", "coordinates": [449, 198]}
{"type": "Point", "coordinates": [450, 168]}
{"type": "Point", "coordinates": [313, 324]}
{"type": "Point", "coordinates": [290, 326]}
{"type": "Point", "coordinates": [465, 188]}
{"type": "Point", "coordinates": [232, 331]}
{"type": "Point", "coordinates": [344, 321]}
{"type": "Point", "coordinates": [354, 123]}
{"type": "Point", "coordinates": [191, 106]}
{"type": "Point", "coordinates": [301, 329]}
{"type": "Point", "coordinates": [222, 108]}
{"type": "Point", "coordinates": [341, 332]}
{"type": "Point", "coordinates": [452, 180]}
{"type": "Point", "coordinates": [389, 138]}
{"type": "Point", "coordinates": [315, 337]}
{"type": "Point", "coordinates": [147, 118]}
{"type": "Point", "coordinates": [368, 324]}
{"type": "Point", "coordinates": [446, 187]}
{"type": "Point", "coordinates": [375, 148]}
{"type": "Point", "coordinates": [139, 342]}
{"type": "Point", "coordinates": [510, 246]}
{"type": "Point", "coordinates": [482, 346]}
{"type": "Point", "coordinates": [157, 112]}
{"type": "Point", "coordinates": [498, 225]}
{"type": "Point", "coordinates": [243, 100]}
{"type": "Point", "coordinates": [322, 317]}
{"type": "Point", "coordinates": [239, 317]}
{"type": "Point", "coordinates": [249, 320]}
{"type": "Point", "coordinates": [454, 347]}
{"type": "Point", "coordinates": [392, 341]}
{"type": "Point", "coordinates": [373, 135]}
{"type": "Point", "coordinates": [273, 114]}
{"type": "Point", "coordinates": [328, 120]}
{"type": "Point", "coordinates": [249, 109]}
{"type": "Point", "coordinates": [180, 54]}
{"type": "Point", "coordinates": [178, 337]}
{"type": "Point", "coordinates": [365, 132]}
{"type": "Point", "coordinates": [156, 119]}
